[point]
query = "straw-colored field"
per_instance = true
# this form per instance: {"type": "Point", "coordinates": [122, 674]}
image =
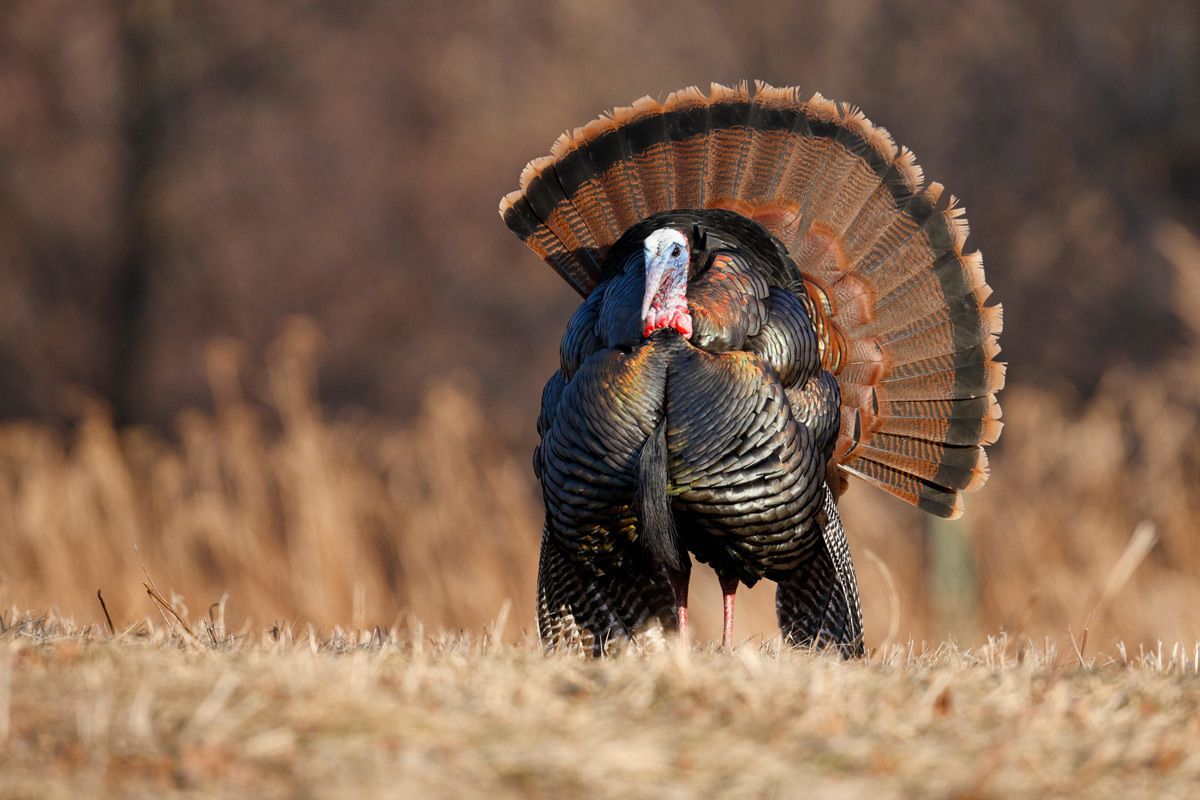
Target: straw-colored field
{"type": "Point", "coordinates": [155, 712]}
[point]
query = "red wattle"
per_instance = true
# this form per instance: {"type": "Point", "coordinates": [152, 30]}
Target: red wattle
{"type": "Point", "coordinates": [681, 321]}
{"type": "Point", "coordinates": [683, 324]}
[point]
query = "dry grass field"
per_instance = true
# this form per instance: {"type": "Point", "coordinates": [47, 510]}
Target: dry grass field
{"type": "Point", "coordinates": [159, 711]}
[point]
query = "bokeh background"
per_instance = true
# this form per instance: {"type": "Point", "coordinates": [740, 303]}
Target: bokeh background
{"type": "Point", "coordinates": [260, 321]}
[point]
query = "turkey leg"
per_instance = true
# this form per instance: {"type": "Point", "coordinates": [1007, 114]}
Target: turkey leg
{"type": "Point", "coordinates": [728, 590]}
{"type": "Point", "coordinates": [679, 585]}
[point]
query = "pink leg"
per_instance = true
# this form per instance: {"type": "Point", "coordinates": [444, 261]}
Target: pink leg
{"type": "Point", "coordinates": [728, 590]}
{"type": "Point", "coordinates": [679, 585]}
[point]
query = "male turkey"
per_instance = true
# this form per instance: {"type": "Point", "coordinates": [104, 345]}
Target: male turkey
{"type": "Point", "coordinates": [772, 301]}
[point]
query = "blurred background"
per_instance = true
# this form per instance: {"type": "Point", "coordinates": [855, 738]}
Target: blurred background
{"type": "Point", "coordinates": [260, 320]}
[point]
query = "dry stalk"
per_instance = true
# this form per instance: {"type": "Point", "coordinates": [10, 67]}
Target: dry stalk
{"type": "Point", "coordinates": [161, 603]}
{"type": "Point", "coordinates": [104, 607]}
{"type": "Point", "coordinates": [1139, 546]}
{"type": "Point", "coordinates": [893, 599]}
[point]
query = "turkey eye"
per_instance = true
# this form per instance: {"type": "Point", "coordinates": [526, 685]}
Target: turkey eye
{"type": "Point", "coordinates": [675, 251]}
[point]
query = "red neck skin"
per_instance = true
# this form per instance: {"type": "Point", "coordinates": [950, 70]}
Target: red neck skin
{"type": "Point", "coordinates": [668, 306]}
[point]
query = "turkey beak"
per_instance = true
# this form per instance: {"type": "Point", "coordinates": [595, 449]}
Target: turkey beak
{"type": "Point", "coordinates": [656, 270]}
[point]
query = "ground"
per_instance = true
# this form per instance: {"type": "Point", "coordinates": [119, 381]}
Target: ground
{"type": "Point", "coordinates": [158, 711]}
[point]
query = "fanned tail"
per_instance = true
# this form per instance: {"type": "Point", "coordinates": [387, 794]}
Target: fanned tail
{"type": "Point", "coordinates": [901, 310]}
{"type": "Point", "coordinates": [917, 370]}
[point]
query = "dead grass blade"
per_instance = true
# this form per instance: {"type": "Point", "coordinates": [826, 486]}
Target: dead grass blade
{"type": "Point", "coordinates": [112, 630]}
{"type": "Point", "coordinates": [893, 599]}
{"type": "Point", "coordinates": [1145, 535]}
{"type": "Point", "coordinates": [162, 605]}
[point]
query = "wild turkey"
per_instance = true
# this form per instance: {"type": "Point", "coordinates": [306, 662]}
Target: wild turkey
{"type": "Point", "coordinates": [772, 301]}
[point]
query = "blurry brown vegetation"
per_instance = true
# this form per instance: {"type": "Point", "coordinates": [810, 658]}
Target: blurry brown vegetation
{"type": "Point", "coordinates": [175, 174]}
{"type": "Point", "coordinates": [353, 521]}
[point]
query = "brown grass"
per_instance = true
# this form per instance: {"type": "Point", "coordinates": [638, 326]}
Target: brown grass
{"type": "Point", "coordinates": [154, 712]}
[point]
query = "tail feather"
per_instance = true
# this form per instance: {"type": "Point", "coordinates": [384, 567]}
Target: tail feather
{"type": "Point", "coordinates": [622, 119]}
{"type": "Point", "coordinates": [728, 140]}
{"type": "Point", "coordinates": [646, 135]}
{"type": "Point", "coordinates": [972, 421]}
{"type": "Point", "coordinates": [894, 209]}
{"type": "Point", "coordinates": [847, 175]}
{"type": "Point", "coordinates": [585, 212]}
{"type": "Point", "coordinates": [552, 205]}
{"type": "Point", "coordinates": [975, 378]}
{"type": "Point", "coordinates": [808, 155]}
{"type": "Point", "coordinates": [525, 222]}
{"type": "Point", "coordinates": [959, 327]}
{"type": "Point", "coordinates": [911, 243]}
{"type": "Point", "coordinates": [950, 278]}
{"type": "Point", "coordinates": [945, 465]}
{"type": "Point", "coordinates": [685, 116]}
{"type": "Point", "coordinates": [925, 495]}
{"type": "Point", "coordinates": [608, 153]}
{"type": "Point", "coordinates": [772, 122]}
{"type": "Point", "coordinates": [901, 310]}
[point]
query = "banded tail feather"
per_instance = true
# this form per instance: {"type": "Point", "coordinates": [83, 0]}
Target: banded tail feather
{"type": "Point", "coordinates": [902, 312]}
